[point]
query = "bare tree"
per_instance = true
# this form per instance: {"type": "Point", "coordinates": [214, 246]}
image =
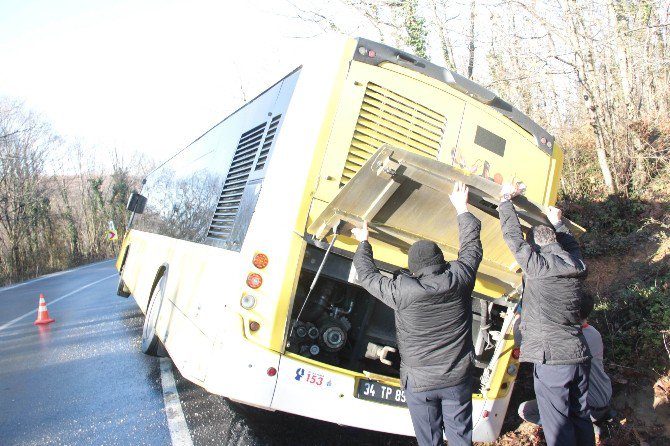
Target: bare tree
{"type": "Point", "coordinates": [441, 23]}
{"type": "Point", "coordinates": [611, 48]}
{"type": "Point", "coordinates": [24, 200]}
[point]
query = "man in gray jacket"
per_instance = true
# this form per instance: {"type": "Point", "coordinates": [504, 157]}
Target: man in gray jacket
{"type": "Point", "coordinates": [433, 318]}
{"type": "Point", "coordinates": [550, 324]}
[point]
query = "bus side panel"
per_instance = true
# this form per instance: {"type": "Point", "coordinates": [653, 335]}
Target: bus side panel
{"type": "Point", "coordinates": [278, 222]}
{"type": "Point", "coordinates": [143, 262]}
{"type": "Point", "coordinates": [195, 294]}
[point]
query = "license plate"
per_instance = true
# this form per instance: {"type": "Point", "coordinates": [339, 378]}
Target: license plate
{"type": "Point", "coordinates": [380, 393]}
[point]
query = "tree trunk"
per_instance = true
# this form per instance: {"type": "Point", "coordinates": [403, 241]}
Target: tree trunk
{"type": "Point", "coordinates": [471, 44]}
{"type": "Point", "coordinates": [594, 101]}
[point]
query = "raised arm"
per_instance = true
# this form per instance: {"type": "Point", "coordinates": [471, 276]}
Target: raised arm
{"type": "Point", "coordinates": [513, 235]}
{"type": "Point", "coordinates": [369, 277]}
{"type": "Point", "coordinates": [532, 263]}
{"type": "Point", "coordinates": [563, 236]}
{"type": "Point", "coordinates": [470, 251]}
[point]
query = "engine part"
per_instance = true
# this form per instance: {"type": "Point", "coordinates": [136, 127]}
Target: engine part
{"type": "Point", "coordinates": [333, 338]}
{"type": "Point", "coordinates": [301, 331]}
{"type": "Point", "coordinates": [336, 311]}
{"type": "Point", "coordinates": [312, 331]}
{"type": "Point", "coordinates": [314, 350]}
{"type": "Point", "coordinates": [375, 351]}
{"type": "Point", "coordinates": [318, 272]}
{"type": "Point", "coordinates": [344, 322]}
{"type": "Point", "coordinates": [483, 341]}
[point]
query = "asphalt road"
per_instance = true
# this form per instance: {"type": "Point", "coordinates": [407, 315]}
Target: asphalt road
{"type": "Point", "coordinates": [82, 380]}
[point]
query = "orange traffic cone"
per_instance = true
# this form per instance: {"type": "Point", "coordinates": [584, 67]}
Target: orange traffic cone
{"type": "Point", "coordinates": [42, 313]}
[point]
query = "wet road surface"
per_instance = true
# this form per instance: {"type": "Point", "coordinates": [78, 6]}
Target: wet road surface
{"type": "Point", "coordinates": [82, 380]}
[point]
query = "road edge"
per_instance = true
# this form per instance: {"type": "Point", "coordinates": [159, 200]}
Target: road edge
{"type": "Point", "coordinates": [176, 420]}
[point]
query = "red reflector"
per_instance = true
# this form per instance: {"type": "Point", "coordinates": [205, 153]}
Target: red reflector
{"type": "Point", "coordinates": [371, 53]}
{"type": "Point", "coordinates": [260, 261]}
{"type": "Point", "coordinates": [485, 414]}
{"type": "Point", "coordinates": [254, 280]}
{"type": "Point", "coordinates": [516, 353]}
{"type": "Point", "coordinates": [254, 326]}
{"type": "Point", "coordinates": [272, 371]}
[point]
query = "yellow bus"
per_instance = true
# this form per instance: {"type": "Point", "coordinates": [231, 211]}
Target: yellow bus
{"type": "Point", "coordinates": [239, 249]}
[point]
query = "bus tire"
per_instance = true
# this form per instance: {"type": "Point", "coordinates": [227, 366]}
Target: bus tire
{"type": "Point", "coordinates": [151, 345]}
{"type": "Point", "coordinates": [121, 289]}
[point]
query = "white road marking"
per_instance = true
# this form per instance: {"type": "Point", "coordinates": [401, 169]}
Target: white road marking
{"type": "Point", "coordinates": [175, 416]}
{"type": "Point", "coordinates": [48, 276]}
{"type": "Point", "coordinates": [12, 322]}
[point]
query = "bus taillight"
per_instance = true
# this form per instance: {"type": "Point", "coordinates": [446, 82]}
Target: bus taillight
{"type": "Point", "coordinates": [260, 260]}
{"type": "Point", "coordinates": [248, 301]}
{"type": "Point", "coordinates": [254, 280]}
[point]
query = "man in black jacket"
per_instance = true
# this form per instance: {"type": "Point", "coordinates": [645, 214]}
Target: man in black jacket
{"type": "Point", "coordinates": [433, 318]}
{"type": "Point", "coordinates": [550, 323]}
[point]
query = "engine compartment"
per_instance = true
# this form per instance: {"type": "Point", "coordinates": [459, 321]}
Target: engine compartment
{"type": "Point", "coordinates": [341, 324]}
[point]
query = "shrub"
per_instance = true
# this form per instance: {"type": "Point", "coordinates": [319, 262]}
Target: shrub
{"type": "Point", "coordinates": [614, 225]}
{"type": "Point", "coordinates": [631, 321]}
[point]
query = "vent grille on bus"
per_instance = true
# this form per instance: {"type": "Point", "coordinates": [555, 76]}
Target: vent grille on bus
{"type": "Point", "coordinates": [387, 117]}
{"type": "Point", "coordinates": [236, 180]}
{"type": "Point", "coordinates": [267, 144]}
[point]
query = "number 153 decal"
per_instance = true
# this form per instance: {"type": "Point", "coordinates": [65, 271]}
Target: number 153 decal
{"type": "Point", "coordinates": [311, 377]}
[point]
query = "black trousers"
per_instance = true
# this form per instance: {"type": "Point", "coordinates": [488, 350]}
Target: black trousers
{"type": "Point", "coordinates": [449, 408]}
{"type": "Point", "coordinates": [561, 397]}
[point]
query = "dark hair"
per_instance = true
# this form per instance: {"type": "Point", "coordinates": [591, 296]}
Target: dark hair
{"type": "Point", "coordinates": [586, 304]}
{"type": "Point", "coordinates": [543, 235]}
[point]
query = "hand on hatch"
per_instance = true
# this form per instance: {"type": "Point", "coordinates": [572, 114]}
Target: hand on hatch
{"type": "Point", "coordinates": [361, 234]}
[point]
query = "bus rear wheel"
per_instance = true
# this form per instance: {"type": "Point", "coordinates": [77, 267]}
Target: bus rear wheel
{"type": "Point", "coordinates": [151, 345]}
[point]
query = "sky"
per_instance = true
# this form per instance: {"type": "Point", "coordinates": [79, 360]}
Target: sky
{"type": "Point", "coordinates": [146, 76]}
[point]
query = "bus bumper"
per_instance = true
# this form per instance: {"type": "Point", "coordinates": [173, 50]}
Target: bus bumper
{"type": "Point", "coordinates": [325, 394]}
{"type": "Point", "coordinates": [245, 372]}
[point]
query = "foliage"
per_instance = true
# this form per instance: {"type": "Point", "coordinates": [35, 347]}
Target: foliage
{"type": "Point", "coordinates": [415, 26]}
{"type": "Point", "coordinates": [25, 141]}
{"type": "Point", "coordinates": [622, 230]}
{"type": "Point", "coordinates": [631, 321]}
{"type": "Point", "coordinates": [613, 225]}
{"type": "Point", "coordinates": [52, 221]}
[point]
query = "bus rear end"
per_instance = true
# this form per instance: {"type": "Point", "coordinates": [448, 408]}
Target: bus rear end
{"type": "Point", "coordinates": [402, 131]}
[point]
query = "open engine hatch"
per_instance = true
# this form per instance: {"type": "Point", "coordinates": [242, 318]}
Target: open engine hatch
{"type": "Point", "coordinates": [405, 198]}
